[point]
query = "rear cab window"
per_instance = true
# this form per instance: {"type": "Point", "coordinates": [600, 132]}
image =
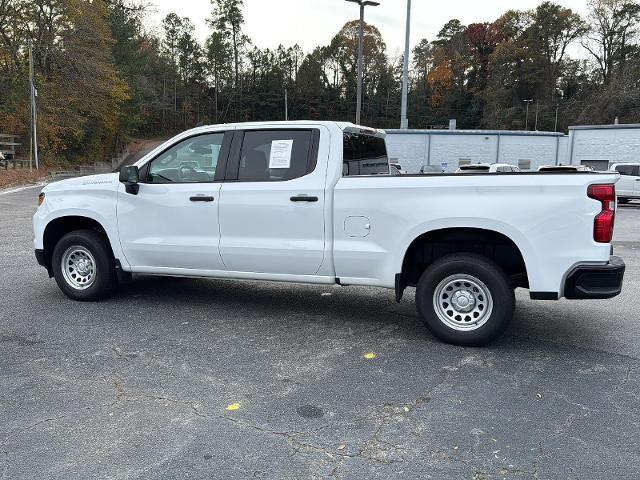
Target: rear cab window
{"type": "Point", "coordinates": [364, 154]}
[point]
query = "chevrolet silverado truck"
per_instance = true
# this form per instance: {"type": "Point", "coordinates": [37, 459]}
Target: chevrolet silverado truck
{"type": "Point", "coordinates": [314, 202]}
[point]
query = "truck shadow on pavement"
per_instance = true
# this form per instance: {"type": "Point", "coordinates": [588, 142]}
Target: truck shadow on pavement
{"type": "Point", "coordinates": [331, 309]}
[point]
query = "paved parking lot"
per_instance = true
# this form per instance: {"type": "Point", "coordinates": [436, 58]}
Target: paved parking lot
{"type": "Point", "coordinates": [319, 381]}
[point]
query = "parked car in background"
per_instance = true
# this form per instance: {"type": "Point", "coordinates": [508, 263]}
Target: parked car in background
{"type": "Point", "coordinates": [488, 168]}
{"type": "Point", "coordinates": [393, 170]}
{"type": "Point", "coordinates": [430, 169]}
{"type": "Point", "coordinates": [628, 186]}
{"type": "Point", "coordinates": [565, 168]}
{"type": "Point", "coordinates": [398, 167]}
{"type": "Point", "coordinates": [313, 202]}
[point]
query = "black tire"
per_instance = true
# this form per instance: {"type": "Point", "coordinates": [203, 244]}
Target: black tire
{"type": "Point", "coordinates": [104, 273]}
{"type": "Point", "coordinates": [472, 267]}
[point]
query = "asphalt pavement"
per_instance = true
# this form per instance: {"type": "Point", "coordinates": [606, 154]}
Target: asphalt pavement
{"type": "Point", "coordinates": [177, 378]}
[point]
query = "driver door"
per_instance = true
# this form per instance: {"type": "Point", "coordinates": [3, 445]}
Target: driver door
{"type": "Point", "coordinates": [171, 225]}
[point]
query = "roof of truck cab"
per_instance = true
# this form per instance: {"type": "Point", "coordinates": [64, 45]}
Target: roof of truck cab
{"type": "Point", "coordinates": [283, 123]}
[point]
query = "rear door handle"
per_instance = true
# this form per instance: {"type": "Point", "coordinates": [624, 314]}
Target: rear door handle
{"type": "Point", "coordinates": [303, 198]}
{"type": "Point", "coordinates": [201, 198]}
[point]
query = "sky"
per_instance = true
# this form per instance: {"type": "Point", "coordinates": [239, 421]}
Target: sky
{"type": "Point", "coordinates": [310, 23]}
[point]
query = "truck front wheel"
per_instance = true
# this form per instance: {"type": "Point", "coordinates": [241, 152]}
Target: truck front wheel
{"type": "Point", "coordinates": [83, 265]}
{"type": "Point", "coordinates": [465, 299]}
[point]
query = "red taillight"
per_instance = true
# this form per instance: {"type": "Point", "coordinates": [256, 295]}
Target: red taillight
{"type": "Point", "coordinates": [603, 223]}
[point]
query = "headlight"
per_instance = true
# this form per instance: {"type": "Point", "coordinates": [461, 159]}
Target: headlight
{"type": "Point", "coordinates": [41, 198]}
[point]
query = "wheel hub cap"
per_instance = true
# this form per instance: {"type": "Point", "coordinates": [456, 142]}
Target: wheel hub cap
{"type": "Point", "coordinates": [462, 302]}
{"type": "Point", "coordinates": [78, 267]}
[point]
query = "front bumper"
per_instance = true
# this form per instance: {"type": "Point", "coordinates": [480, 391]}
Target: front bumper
{"type": "Point", "coordinates": [595, 281]}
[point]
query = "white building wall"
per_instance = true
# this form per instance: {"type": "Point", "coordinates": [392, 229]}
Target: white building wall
{"type": "Point", "coordinates": [409, 150]}
{"type": "Point", "coordinates": [413, 148]}
{"type": "Point", "coordinates": [611, 143]}
{"type": "Point", "coordinates": [448, 150]}
{"type": "Point", "coordinates": [538, 150]}
{"type": "Point", "coordinates": [608, 143]}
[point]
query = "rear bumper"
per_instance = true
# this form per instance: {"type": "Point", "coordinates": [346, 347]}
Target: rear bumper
{"type": "Point", "coordinates": [595, 281]}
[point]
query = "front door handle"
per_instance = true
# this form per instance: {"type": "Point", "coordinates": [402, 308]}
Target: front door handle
{"type": "Point", "coordinates": [303, 198]}
{"type": "Point", "coordinates": [201, 198]}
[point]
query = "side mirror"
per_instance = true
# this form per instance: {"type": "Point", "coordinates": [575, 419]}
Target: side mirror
{"type": "Point", "coordinates": [130, 176]}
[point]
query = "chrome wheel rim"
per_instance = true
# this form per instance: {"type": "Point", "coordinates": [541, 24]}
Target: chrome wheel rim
{"type": "Point", "coordinates": [462, 302]}
{"type": "Point", "coordinates": [78, 267]}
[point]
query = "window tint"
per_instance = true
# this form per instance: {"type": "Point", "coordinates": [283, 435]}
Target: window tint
{"type": "Point", "coordinates": [625, 169]}
{"type": "Point", "coordinates": [275, 155]}
{"type": "Point", "coordinates": [364, 155]}
{"type": "Point", "coordinates": [193, 160]}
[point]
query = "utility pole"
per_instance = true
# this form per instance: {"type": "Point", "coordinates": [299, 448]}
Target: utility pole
{"type": "Point", "coordinates": [555, 127]}
{"type": "Point", "coordinates": [362, 4]}
{"type": "Point", "coordinates": [404, 120]}
{"type": "Point", "coordinates": [526, 121]}
{"type": "Point", "coordinates": [286, 105]}
{"type": "Point", "coordinates": [34, 115]}
{"type": "Point", "coordinates": [536, 127]}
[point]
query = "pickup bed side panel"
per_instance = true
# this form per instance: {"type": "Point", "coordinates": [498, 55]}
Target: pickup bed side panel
{"type": "Point", "coordinates": [548, 217]}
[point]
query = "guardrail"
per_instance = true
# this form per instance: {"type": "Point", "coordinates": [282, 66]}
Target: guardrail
{"type": "Point", "coordinates": [103, 167]}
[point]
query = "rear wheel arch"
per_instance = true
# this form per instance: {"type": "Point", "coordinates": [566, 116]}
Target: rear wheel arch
{"type": "Point", "coordinates": [430, 246]}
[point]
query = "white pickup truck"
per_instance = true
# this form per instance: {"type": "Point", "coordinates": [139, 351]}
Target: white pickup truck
{"type": "Point", "coordinates": [313, 202]}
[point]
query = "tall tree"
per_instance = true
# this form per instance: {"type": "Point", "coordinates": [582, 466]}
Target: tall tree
{"type": "Point", "coordinates": [613, 26]}
{"type": "Point", "coordinates": [553, 28]}
{"type": "Point", "coordinates": [228, 18]}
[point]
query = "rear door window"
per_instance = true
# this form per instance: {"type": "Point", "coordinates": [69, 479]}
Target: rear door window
{"type": "Point", "coordinates": [276, 155]}
{"type": "Point", "coordinates": [625, 169]}
{"type": "Point", "coordinates": [364, 155]}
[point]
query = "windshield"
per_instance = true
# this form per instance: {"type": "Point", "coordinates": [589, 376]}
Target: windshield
{"type": "Point", "coordinates": [364, 155]}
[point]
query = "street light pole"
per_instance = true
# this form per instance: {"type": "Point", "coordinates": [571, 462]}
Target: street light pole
{"type": "Point", "coordinates": [360, 54]}
{"type": "Point", "coordinates": [362, 4]}
{"type": "Point", "coordinates": [286, 105]}
{"type": "Point", "coordinates": [404, 120]}
{"type": "Point", "coordinates": [34, 114]}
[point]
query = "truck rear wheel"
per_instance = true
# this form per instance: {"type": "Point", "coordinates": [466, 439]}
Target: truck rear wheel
{"type": "Point", "coordinates": [83, 265]}
{"type": "Point", "coordinates": [465, 299]}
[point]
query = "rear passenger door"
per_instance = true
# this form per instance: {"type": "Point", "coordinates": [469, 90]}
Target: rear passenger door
{"type": "Point", "coordinates": [272, 203]}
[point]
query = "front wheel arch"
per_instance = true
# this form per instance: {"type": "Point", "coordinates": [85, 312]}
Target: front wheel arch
{"type": "Point", "coordinates": [59, 227]}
